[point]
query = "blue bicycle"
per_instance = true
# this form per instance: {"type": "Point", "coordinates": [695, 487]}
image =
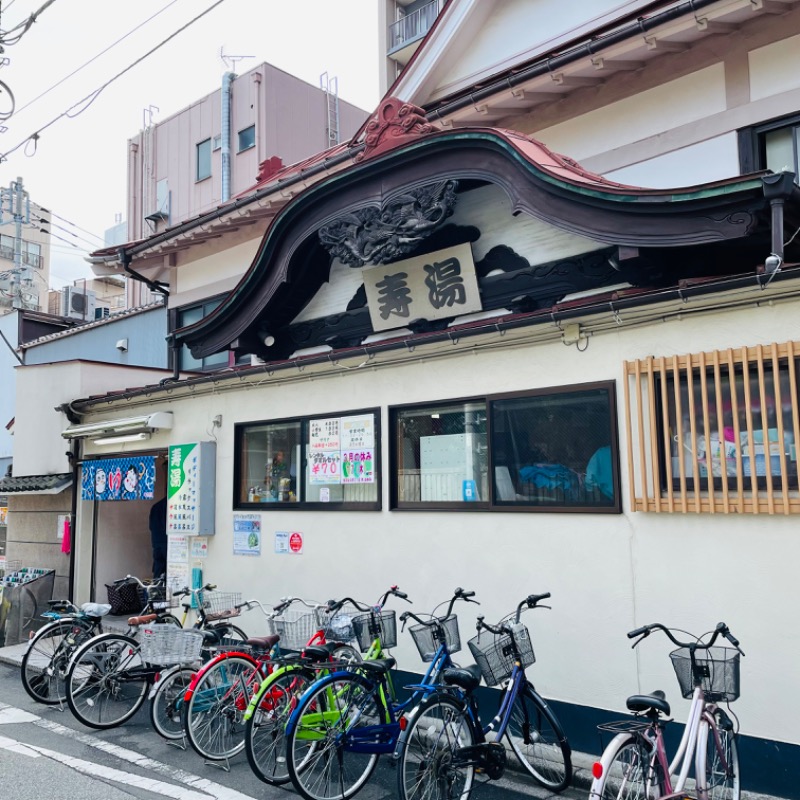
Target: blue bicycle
{"type": "Point", "coordinates": [345, 721]}
{"type": "Point", "coordinates": [445, 744]}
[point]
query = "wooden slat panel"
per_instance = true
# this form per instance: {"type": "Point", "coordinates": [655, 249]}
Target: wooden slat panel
{"type": "Point", "coordinates": [716, 494]}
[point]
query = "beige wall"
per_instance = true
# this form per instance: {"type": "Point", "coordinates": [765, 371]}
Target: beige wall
{"type": "Point", "coordinates": [607, 573]}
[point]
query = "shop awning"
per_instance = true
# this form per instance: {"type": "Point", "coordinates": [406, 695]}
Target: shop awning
{"type": "Point", "coordinates": [147, 423]}
{"type": "Point", "coordinates": [36, 484]}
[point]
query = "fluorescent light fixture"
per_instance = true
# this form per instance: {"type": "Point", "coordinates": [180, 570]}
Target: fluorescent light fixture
{"type": "Point", "coordinates": [128, 437]}
{"type": "Point", "coordinates": [147, 423]}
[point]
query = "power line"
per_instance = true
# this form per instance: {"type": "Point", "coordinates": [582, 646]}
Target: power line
{"type": "Point", "coordinates": [67, 230]}
{"type": "Point", "coordinates": [90, 98]}
{"type": "Point", "coordinates": [94, 58]}
{"type": "Point", "coordinates": [69, 222]}
{"type": "Point", "coordinates": [25, 25]}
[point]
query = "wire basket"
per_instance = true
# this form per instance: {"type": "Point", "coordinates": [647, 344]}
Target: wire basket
{"type": "Point", "coordinates": [370, 624]}
{"type": "Point", "coordinates": [495, 654]}
{"type": "Point", "coordinates": [168, 644]}
{"type": "Point", "coordinates": [296, 626]}
{"type": "Point", "coordinates": [220, 605]}
{"type": "Point", "coordinates": [717, 670]}
{"type": "Point", "coordinates": [427, 638]}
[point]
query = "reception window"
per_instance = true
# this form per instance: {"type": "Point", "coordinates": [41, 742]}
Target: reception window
{"type": "Point", "coordinates": [546, 450]}
{"type": "Point", "coordinates": [323, 462]}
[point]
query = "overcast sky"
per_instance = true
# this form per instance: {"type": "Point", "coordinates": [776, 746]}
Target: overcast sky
{"type": "Point", "coordinates": [77, 168]}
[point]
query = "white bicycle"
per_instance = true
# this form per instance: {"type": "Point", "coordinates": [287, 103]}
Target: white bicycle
{"type": "Point", "coordinates": [635, 765]}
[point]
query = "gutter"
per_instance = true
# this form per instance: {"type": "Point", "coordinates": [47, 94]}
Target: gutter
{"type": "Point", "coordinates": [550, 64]}
{"type": "Point", "coordinates": [125, 259]}
{"type": "Point", "coordinates": [552, 316]}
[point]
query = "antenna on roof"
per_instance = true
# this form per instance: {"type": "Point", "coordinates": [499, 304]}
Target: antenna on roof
{"type": "Point", "coordinates": [230, 61]}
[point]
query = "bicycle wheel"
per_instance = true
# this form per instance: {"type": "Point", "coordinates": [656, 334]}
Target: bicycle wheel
{"type": "Point", "coordinates": [538, 741]}
{"type": "Point", "coordinates": [229, 632]}
{"type": "Point", "coordinates": [346, 654]}
{"type": "Point", "coordinates": [722, 762]}
{"type": "Point", "coordinates": [628, 775]}
{"type": "Point", "coordinates": [44, 666]}
{"type": "Point", "coordinates": [103, 687]}
{"type": "Point", "coordinates": [429, 766]}
{"type": "Point", "coordinates": [168, 619]}
{"type": "Point", "coordinates": [328, 734]}
{"type": "Point", "coordinates": [167, 702]}
{"type": "Point", "coordinates": [265, 737]}
{"type": "Point", "coordinates": [213, 717]}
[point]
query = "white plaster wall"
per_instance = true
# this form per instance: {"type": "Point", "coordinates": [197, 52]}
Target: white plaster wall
{"type": "Point", "coordinates": [678, 102]}
{"type": "Point", "coordinates": [712, 160]}
{"type": "Point", "coordinates": [774, 68]}
{"type": "Point", "coordinates": [38, 446]}
{"type": "Point", "coordinates": [607, 573]}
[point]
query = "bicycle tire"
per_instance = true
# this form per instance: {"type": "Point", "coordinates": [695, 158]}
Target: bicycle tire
{"type": "Point", "coordinates": [99, 694]}
{"type": "Point", "coordinates": [229, 632]}
{"type": "Point", "coordinates": [265, 734]}
{"type": "Point", "coordinates": [166, 705]}
{"type": "Point", "coordinates": [322, 766]}
{"type": "Point", "coordinates": [168, 619]}
{"type": "Point", "coordinates": [346, 654]}
{"type": "Point", "coordinates": [439, 727]}
{"type": "Point", "coordinates": [626, 775]}
{"type": "Point", "coordinates": [213, 717]}
{"type": "Point", "coordinates": [721, 768]}
{"type": "Point", "coordinates": [538, 741]}
{"type": "Point", "coordinates": [43, 669]}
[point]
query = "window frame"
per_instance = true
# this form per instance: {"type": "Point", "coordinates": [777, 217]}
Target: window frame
{"type": "Point", "coordinates": [176, 315]}
{"type": "Point", "coordinates": [239, 148]}
{"type": "Point", "coordinates": [239, 430]}
{"type": "Point", "coordinates": [491, 504]}
{"type": "Point", "coordinates": [752, 148]}
{"type": "Point", "coordinates": [197, 176]}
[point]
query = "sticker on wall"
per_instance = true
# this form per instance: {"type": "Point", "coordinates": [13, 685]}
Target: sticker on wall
{"type": "Point", "coordinates": [247, 534]}
{"type": "Point", "coordinates": [289, 542]}
{"type": "Point", "coordinates": [127, 478]}
{"type": "Point", "coordinates": [199, 547]}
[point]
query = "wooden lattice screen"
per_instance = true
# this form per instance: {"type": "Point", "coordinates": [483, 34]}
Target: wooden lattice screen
{"type": "Point", "coordinates": [714, 432]}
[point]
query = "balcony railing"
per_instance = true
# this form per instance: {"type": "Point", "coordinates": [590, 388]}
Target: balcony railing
{"type": "Point", "coordinates": [414, 25]}
{"type": "Point", "coordinates": [28, 259]}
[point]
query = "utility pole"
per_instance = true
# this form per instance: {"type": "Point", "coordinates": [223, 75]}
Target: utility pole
{"type": "Point", "coordinates": [18, 203]}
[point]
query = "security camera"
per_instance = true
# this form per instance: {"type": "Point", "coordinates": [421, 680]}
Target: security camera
{"type": "Point", "coordinates": [772, 264]}
{"type": "Point", "coordinates": [122, 345]}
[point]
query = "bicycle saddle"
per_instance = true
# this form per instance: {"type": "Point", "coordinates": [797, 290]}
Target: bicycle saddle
{"type": "Point", "coordinates": [655, 701]}
{"type": "Point", "coordinates": [316, 653]}
{"type": "Point", "coordinates": [378, 665]}
{"type": "Point", "coordinates": [263, 642]}
{"type": "Point", "coordinates": [467, 678]}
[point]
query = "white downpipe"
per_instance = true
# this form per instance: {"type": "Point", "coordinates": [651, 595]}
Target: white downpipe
{"type": "Point", "coordinates": [225, 133]}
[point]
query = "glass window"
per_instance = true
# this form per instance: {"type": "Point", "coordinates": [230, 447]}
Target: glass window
{"type": "Point", "coordinates": [315, 462]}
{"type": "Point", "coordinates": [247, 138]}
{"type": "Point", "coordinates": [442, 453]}
{"type": "Point", "coordinates": [204, 160]}
{"type": "Point", "coordinates": [548, 450]}
{"type": "Point", "coordinates": [554, 449]}
{"type": "Point", "coordinates": [188, 316]}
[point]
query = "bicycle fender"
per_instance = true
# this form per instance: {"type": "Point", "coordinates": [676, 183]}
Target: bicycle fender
{"type": "Point", "coordinates": [410, 716]}
{"type": "Point", "coordinates": [596, 789]}
{"type": "Point", "coordinates": [255, 700]}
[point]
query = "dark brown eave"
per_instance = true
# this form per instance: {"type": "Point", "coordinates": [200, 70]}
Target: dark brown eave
{"type": "Point", "coordinates": [285, 272]}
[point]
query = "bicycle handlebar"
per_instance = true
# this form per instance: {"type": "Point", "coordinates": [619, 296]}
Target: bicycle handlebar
{"type": "Point", "coordinates": [332, 606]}
{"type": "Point", "coordinates": [532, 601]}
{"type": "Point", "coordinates": [720, 630]}
{"type": "Point", "coordinates": [458, 594]}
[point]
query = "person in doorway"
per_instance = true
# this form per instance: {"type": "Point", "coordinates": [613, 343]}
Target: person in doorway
{"type": "Point", "coordinates": [158, 536]}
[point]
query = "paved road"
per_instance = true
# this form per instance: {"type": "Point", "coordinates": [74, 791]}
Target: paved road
{"type": "Point", "coordinates": [45, 752]}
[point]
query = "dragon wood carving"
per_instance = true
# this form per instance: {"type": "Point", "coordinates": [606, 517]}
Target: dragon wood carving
{"type": "Point", "coordinates": [379, 235]}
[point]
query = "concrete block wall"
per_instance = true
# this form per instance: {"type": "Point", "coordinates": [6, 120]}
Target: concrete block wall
{"type": "Point", "coordinates": [33, 535]}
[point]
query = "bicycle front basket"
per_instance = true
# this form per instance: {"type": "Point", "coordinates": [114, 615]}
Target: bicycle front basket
{"type": "Point", "coordinates": [168, 644]}
{"type": "Point", "coordinates": [221, 605]}
{"type": "Point", "coordinates": [427, 638]}
{"type": "Point", "coordinates": [375, 623]}
{"type": "Point", "coordinates": [717, 672]}
{"type": "Point", "coordinates": [296, 627]}
{"type": "Point", "coordinates": [495, 654]}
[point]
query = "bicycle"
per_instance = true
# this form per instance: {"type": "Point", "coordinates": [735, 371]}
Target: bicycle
{"type": "Point", "coordinates": [445, 743]}
{"type": "Point", "coordinates": [269, 708]}
{"type": "Point", "coordinates": [345, 721]}
{"type": "Point", "coordinates": [155, 599]}
{"type": "Point", "coordinates": [44, 665]}
{"type": "Point", "coordinates": [108, 676]}
{"type": "Point", "coordinates": [635, 765]}
{"type": "Point", "coordinates": [166, 695]}
{"type": "Point", "coordinates": [217, 697]}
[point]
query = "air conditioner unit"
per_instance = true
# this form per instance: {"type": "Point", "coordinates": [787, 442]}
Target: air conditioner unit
{"type": "Point", "coordinates": [78, 303]}
{"type": "Point", "coordinates": [102, 313]}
